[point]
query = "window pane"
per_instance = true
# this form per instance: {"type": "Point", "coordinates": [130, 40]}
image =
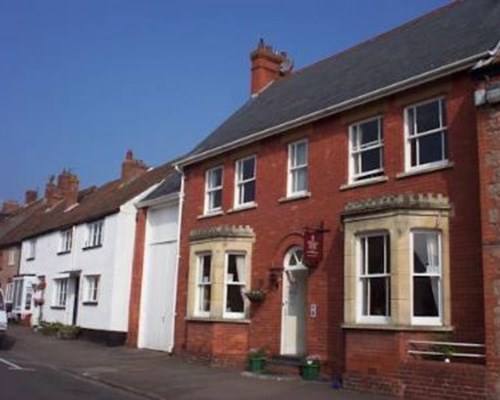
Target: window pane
{"type": "Point", "coordinates": [205, 274]}
{"type": "Point", "coordinates": [425, 296]}
{"type": "Point", "coordinates": [299, 180]}
{"type": "Point", "coordinates": [249, 192]}
{"type": "Point", "coordinates": [300, 154]}
{"type": "Point", "coordinates": [216, 199]}
{"type": "Point", "coordinates": [376, 254]}
{"type": "Point", "coordinates": [369, 132]}
{"type": "Point", "coordinates": [411, 121]}
{"type": "Point", "coordinates": [236, 268]}
{"type": "Point", "coordinates": [248, 169]}
{"type": "Point", "coordinates": [431, 148]}
{"type": "Point", "coordinates": [234, 301]}
{"type": "Point", "coordinates": [205, 298]}
{"type": "Point", "coordinates": [370, 160]}
{"type": "Point", "coordinates": [215, 177]}
{"type": "Point", "coordinates": [378, 299]}
{"type": "Point", "coordinates": [428, 116]}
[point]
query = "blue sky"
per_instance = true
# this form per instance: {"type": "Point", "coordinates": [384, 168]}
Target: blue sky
{"type": "Point", "coordinates": [83, 81]}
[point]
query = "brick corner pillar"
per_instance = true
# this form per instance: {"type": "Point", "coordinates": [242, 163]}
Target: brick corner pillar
{"type": "Point", "coordinates": [488, 131]}
{"type": "Point", "coordinates": [136, 281]}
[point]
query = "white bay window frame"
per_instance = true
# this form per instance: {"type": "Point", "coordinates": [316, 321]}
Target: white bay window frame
{"type": "Point", "coordinates": [366, 277]}
{"type": "Point", "coordinates": [231, 283]}
{"type": "Point", "coordinates": [433, 273]}
{"type": "Point", "coordinates": [203, 285]}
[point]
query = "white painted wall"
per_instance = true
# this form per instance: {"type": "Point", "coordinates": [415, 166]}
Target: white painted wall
{"type": "Point", "coordinates": [112, 262]}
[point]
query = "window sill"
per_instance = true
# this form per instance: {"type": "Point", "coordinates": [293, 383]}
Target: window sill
{"type": "Point", "coordinates": [366, 182]}
{"type": "Point", "coordinates": [30, 258]}
{"type": "Point", "coordinates": [218, 320]}
{"type": "Point", "coordinates": [57, 307]}
{"type": "Point", "coordinates": [425, 170]}
{"type": "Point", "coordinates": [91, 247]}
{"type": "Point", "coordinates": [211, 215]}
{"type": "Point", "coordinates": [61, 253]}
{"type": "Point", "coordinates": [391, 327]}
{"type": "Point", "coordinates": [295, 197]}
{"type": "Point", "coordinates": [90, 303]}
{"type": "Point", "coordinates": [242, 208]}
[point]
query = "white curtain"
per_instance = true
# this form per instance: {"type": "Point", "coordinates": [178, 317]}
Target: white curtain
{"type": "Point", "coordinates": [433, 265]}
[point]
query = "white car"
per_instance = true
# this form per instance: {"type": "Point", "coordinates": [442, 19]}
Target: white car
{"type": "Point", "coordinates": [3, 317]}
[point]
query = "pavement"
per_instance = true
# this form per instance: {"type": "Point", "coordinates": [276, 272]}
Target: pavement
{"type": "Point", "coordinates": [157, 375]}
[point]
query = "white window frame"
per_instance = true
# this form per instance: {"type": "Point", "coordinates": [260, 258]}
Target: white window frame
{"type": "Point", "coordinates": [92, 286]}
{"type": "Point", "coordinates": [66, 241]}
{"type": "Point", "coordinates": [60, 296]}
{"type": "Point", "coordinates": [211, 191]}
{"type": "Point", "coordinates": [11, 257]}
{"type": "Point", "coordinates": [202, 285]}
{"type": "Point", "coordinates": [418, 135]}
{"type": "Point", "coordinates": [240, 183]}
{"type": "Point", "coordinates": [356, 152]}
{"type": "Point", "coordinates": [31, 249]}
{"type": "Point", "coordinates": [360, 263]}
{"type": "Point", "coordinates": [427, 320]}
{"type": "Point", "coordinates": [294, 169]}
{"type": "Point", "coordinates": [95, 234]}
{"type": "Point", "coordinates": [9, 292]}
{"type": "Point", "coordinates": [227, 283]}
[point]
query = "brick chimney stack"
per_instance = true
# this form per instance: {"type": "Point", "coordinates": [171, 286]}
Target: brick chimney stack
{"type": "Point", "coordinates": [67, 184]}
{"type": "Point", "coordinates": [52, 193]}
{"type": "Point", "coordinates": [30, 196]}
{"type": "Point", "coordinates": [10, 207]}
{"type": "Point", "coordinates": [132, 168]}
{"type": "Point", "coordinates": [268, 65]}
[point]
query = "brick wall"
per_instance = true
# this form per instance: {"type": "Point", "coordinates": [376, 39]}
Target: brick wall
{"type": "Point", "coordinates": [277, 224]}
{"type": "Point", "coordinates": [136, 282]}
{"type": "Point", "coordinates": [489, 156]}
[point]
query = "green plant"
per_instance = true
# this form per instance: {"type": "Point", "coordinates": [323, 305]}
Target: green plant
{"type": "Point", "coordinates": [256, 359]}
{"type": "Point", "coordinates": [50, 328]}
{"type": "Point", "coordinates": [255, 295]}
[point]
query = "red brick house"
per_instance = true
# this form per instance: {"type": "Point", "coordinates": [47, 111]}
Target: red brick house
{"type": "Point", "coordinates": [353, 194]}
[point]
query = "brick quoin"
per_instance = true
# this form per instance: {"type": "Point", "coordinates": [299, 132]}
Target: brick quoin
{"type": "Point", "coordinates": [136, 282]}
{"type": "Point", "coordinates": [274, 223]}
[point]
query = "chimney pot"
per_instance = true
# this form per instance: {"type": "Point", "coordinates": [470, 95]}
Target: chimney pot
{"type": "Point", "coordinates": [67, 185]}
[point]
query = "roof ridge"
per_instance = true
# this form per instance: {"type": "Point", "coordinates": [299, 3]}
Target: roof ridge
{"type": "Point", "coordinates": [406, 25]}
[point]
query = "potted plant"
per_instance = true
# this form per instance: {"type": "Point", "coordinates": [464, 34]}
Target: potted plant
{"type": "Point", "coordinates": [68, 332]}
{"type": "Point", "coordinates": [256, 360]}
{"type": "Point", "coordinates": [309, 370]}
{"type": "Point", "coordinates": [255, 296]}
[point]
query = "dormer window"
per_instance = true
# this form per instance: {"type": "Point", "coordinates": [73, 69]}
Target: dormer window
{"type": "Point", "coordinates": [94, 234]}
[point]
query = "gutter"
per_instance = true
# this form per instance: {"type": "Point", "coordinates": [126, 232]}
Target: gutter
{"type": "Point", "coordinates": [337, 108]}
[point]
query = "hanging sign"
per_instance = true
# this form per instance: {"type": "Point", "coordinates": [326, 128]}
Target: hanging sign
{"type": "Point", "coordinates": [313, 248]}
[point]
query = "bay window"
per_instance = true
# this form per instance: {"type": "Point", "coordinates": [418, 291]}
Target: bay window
{"type": "Point", "coordinates": [204, 284]}
{"type": "Point", "coordinates": [235, 282]}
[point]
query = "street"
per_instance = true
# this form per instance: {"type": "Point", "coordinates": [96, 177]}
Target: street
{"type": "Point", "coordinates": [25, 380]}
{"type": "Point", "coordinates": [38, 367]}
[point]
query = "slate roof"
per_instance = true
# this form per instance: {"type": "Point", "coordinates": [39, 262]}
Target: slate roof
{"type": "Point", "coordinates": [450, 34]}
{"type": "Point", "coordinates": [93, 203]}
{"type": "Point", "coordinates": [170, 185]}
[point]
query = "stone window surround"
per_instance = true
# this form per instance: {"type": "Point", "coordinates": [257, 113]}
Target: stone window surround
{"type": "Point", "coordinates": [399, 216]}
{"type": "Point", "coordinates": [218, 241]}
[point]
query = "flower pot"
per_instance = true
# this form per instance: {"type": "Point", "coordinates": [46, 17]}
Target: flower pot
{"type": "Point", "coordinates": [309, 372]}
{"type": "Point", "coordinates": [256, 364]}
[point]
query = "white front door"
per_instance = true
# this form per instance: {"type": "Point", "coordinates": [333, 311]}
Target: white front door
{"type": "Point", "coordinates": [157, 313]}
{"type": "Point", "coordinates": [293, 320]}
